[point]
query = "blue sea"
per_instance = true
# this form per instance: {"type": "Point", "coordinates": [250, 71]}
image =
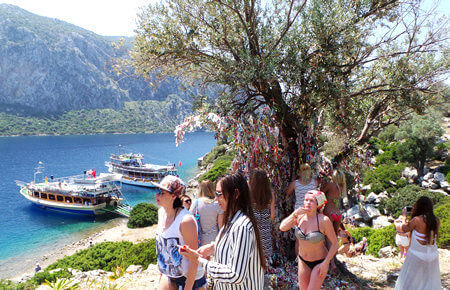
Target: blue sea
{"type": "Point", "coordinates": [26, 231]}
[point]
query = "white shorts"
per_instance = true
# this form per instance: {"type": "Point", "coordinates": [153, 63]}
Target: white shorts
{"type": "Point", "coordinates": [401, 240]}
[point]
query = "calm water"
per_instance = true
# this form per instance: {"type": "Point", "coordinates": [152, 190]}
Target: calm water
{"type": "Point", "coordinates": [26, 230]}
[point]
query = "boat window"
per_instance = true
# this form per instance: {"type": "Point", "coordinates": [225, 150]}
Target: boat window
{"type": "Point", "coordinates": [68, 199]}
{"type": "Point", "coordinates": [36, 193]}
{"type": "Point", "coordinates": [59, 198]}
{"type": "Point", "coordinates": [77, 200]}
{"type": "Point", "coordinates": [51, 197]}
{"type": "Point", "coordinates": [44, 195]}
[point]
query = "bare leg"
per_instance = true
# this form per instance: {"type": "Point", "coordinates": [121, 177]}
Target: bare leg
{"type": "Point", "coordinates": [316, 280]}
{"type": "Point", "coordinates": [164, 284]}
{"type": "Point", "coordinates": [304, 273]}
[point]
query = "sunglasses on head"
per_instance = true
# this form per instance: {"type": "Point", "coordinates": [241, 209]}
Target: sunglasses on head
{"type": "Point", "coordinates": [218, 194]}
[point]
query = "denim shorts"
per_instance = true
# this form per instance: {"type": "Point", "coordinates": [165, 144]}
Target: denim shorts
{"type": "Point", "coordinates": [181, 282]}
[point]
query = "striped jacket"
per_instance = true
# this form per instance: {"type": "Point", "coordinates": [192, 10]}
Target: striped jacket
{"type": "Point", "coordinates": [237, 264]}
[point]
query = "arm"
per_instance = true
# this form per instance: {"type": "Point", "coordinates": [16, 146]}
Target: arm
{"type": "Point", "coordinates": [188, 229]}
{"type": "Point", "coordinates": [291, 220]}
{"type": "Point", "coordinates": [328, 230]}
{"type": "Point", "coordinates": [409, 226]}
{"type": "Point", "coordinates": [272, 207]}
{"type": "Point", "coordinates": [290, 188]}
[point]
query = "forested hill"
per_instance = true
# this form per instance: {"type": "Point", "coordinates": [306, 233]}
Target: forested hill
{"type": "Point", "coordinates": [51, 66]}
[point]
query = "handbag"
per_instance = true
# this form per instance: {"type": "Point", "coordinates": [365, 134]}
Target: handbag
{"type": "Point", "coordinates": [199, 227]}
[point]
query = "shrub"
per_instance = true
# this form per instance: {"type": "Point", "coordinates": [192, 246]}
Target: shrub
{"type": "Point", "coordinates": [379, 177]}
{"type": "Point", "coordinates": [376, 239]}
{"type": "Point", "coordinates": [442, 211]}
{"type": "Point", "coordinates": [109, 255]}
{"type": "Point", "coordinates": [42, 277]}
{"type": "Point", "coordinates": [215, 153]}
{"type": "Point", "coordinates": [219, 168]}
{"type": "Point", "coordinates": [143, 215]}
{"type": "Point", "coordinates": [406, 196]}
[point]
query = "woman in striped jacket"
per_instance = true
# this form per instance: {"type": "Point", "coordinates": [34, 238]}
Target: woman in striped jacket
{"type": "Point", "coordinates": [239, 258]}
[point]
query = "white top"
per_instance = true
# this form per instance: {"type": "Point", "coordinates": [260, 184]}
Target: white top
{"type": "Point", "coordinates": [237, 264]}
{"type": "Point", "coordinates": [301, 190]}
{"type": "Point", "coordinates": [170, 262]}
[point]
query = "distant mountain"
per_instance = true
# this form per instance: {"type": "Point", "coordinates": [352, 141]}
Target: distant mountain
{"type": "Point", "coordinates": [50, 66]}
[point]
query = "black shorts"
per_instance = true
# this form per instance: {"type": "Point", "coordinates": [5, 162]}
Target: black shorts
{"type": "Point", "coordinates": [181, 282]}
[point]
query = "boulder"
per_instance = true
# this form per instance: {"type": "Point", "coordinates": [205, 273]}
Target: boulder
{"type": "Point", "coordinates": [134, 269]}
{"type": "Point", "coordinates": [426, 170]}
{"type": "Point", "coordinates": [380, 222]}
{"type": "Point", "coordinates": [409, 173]}
{"type": "Point", "coordinates": [55, 270]}
{"type": "Point", "coordinates": [362, 225]}
{"type": "Point", "coordinates": [371, 210]}
{"type": "Point", "coordinates": [383, 195]}
{"type": "Point", "coordinates": [439, 177]}
{"type": "Point", "coordinates": [426, 184]}
{"type": "Point", "coordinates": [365, 188]}
{"type": "Point", "coordinates": [387, 252]}
{"type": "Point", "coordinates": [372, 197]}
{"type": "Point", "coordinates": [193, 183]}
{"type": "Point", "coordinates": [354, 212]}
{"type": "Point", "coordinates": [428, 176]}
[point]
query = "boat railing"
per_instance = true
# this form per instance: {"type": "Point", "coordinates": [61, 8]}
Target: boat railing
{"type": "Point", "coordinates": [20, 183]}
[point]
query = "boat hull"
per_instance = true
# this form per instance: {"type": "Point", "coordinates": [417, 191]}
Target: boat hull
{"type": "Point", "coordinates": [137, 182]}
{"type": "Point", "coordinates": [90, 210]}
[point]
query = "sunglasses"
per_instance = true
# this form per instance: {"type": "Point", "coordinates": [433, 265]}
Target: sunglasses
{"type": "Point", "coordinates": [187, 201]}
{"type": "Point", "coordinates": [218, 194]}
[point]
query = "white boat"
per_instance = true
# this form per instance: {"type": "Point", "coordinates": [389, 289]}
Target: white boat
{"type": "Point", "coordinates": [85, 194]}
{"type": "Point", "coordinates": [134, 171]}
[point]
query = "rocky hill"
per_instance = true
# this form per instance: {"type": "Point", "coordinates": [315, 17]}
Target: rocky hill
{"type": "Point", "coordinates": [50, 66]}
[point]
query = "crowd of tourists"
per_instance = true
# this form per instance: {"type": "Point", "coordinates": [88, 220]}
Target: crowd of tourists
{"type": "Point", "coordinates": [224, 233]}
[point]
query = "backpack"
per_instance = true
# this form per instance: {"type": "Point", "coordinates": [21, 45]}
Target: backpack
{"type": "Point", "coordinates": [199, 227]}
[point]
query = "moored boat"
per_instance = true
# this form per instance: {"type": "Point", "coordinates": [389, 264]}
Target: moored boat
{"type": "Point", "coordinates": [85, 194]}
{"type": "Point", "coordinates": [134, 171]}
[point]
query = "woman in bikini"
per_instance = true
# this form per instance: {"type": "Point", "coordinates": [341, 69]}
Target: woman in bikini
{"type": "Point", "coordinates": [346, 240]}
{"type": "Point", "coordinates": [402, 238]}
{"type": "Point", "coordinates": [334, 191]}
{"type": "Point", "coordinates": [311, 228]}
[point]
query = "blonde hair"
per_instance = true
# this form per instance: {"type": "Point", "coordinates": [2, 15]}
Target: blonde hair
{"type": "Point", "coordinates": [206, 189]}
{"type": "Point", "coordinates": [305, 173]}
{"type": "Point", "coordinates": [339, 179]}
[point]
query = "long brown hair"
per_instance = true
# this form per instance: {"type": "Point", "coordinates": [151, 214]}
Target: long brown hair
{"type": "Point", "coordinates": [260, 191]}
{"type": "Point", "coordinates": [424, 207]}
{"type": "Point", "coordinates": [237, 194]}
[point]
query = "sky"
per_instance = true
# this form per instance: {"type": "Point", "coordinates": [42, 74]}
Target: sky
{"type": "Point", "coordinates": [113, 17]}
{"type": "Point", "coordinates": [104, 17]}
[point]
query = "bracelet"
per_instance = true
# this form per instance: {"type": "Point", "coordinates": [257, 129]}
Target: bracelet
{"type": "Point", "coordinates": [295, 216]}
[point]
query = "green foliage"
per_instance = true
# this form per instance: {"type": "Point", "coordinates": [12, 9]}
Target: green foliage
{"type": "Point", "coordinates": [134, 117]}
{"type": "Point", "coordinates": [379, 177]}
{"type": "Point", "coordinates": [44, 276]}
{"type": "Point", "coordinates": [143, 215]}
{"type": "Point", "coordinates": [388, 134]}
{"type": "Point", "coordinates": [215, 153]}
{"type": "Point", "coordinates": [407, 196]}
{"type": "Point", "coordinates": [62, 284]}
{"type": "Point", "coordinates": [376, 238]}
{"type": "Point", "coordinates": [442, 211]}
{"type": "Point", "coordinates": [220, 167]}
{"type": "Point", "coordinates": [109, 255]}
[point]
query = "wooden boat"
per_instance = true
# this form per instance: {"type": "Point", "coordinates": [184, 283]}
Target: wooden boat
{"type": "Point", "coordinates": [85, 194]}
{"type": "Point", "coordinates": [134, 171]}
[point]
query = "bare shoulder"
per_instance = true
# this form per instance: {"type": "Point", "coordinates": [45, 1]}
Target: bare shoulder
{"type": "Point", "coordinates": [323, 218]}
{"type": "Point", "coordinates": [188, 219]}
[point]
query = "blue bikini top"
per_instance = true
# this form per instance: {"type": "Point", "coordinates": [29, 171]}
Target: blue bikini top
{"type": "Point", "coordinates": [312, 237]}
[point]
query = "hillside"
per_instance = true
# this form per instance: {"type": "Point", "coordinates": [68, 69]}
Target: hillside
{"type": "Point", "coordinates": [51, 66]}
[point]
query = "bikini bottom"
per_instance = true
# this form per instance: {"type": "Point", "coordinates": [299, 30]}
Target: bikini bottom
{"type": "Point", "coordinates": [311, 264]}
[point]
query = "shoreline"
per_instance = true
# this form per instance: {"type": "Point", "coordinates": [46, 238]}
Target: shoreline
{"type": "Point", "coordinates": [116, 233]}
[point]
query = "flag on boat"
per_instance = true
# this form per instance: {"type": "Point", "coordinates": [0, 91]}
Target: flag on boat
{"type": "Point", "coordinates": [179, 163]}
{"type": "Point", "coordinates": [91, 172]}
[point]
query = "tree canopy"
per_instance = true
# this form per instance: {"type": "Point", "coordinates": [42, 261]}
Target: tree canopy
{"type": "Point", "coordinates": [293, 69]}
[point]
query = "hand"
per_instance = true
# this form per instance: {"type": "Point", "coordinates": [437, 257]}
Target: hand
{"type": "Point", "coordinates": [323, 268]}
{"type": "Point", "coordinates": [187, 252]}
{"type": "Point", "coordinates": [206, 250]}
{"type": "Point", "coordinates": [299, 211]}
